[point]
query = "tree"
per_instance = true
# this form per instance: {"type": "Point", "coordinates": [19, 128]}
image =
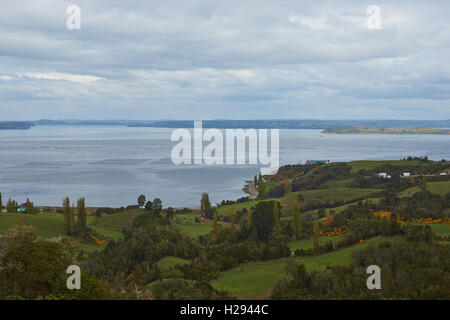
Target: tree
{"type": "Point", "coordinates": [148, 205]}
{"type": "Point", "coordinates": [261, 187]}
{"type": "Point", "coordinates": [423, 184]}
{"type": "Point", "coordinates": [141, 200]}
{"type": "Point", "coordinates": [32, 268]}
{"type": "Point", "coordinates": [297, 221]}
{"type": "Point", "coordinates": [249, 219]}
{"type": "Point", "coordinates": [316, 234]}
{"type": "Point", "coordinates": [205, 204]}
{"type": "Point", "coordinates": [68, 216]}
{"type": "Point", "coordinates": [263, 219]}
{"type": "Point", "coordinates": [215, 225]}
{"type": "Point", "coordinates": [12, 205]}
{"type": "Point", "coordinates": [157, 205]}
{"type": "Point", "coordinates": [233, 219]}
{"type": "Point", "coordinates": [82, 216]}
{"type": "Point", "coordinates": [71, 225]}
{"type": "Point", "coordinates": [287, 187]}
{"type": "Point", "coordinates": [276, 216]}
{"type": "Point", "coordinates": [1, 204]}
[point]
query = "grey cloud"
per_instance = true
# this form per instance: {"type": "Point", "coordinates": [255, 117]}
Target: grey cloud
{"type": "Point", "coordinates": [229, 59]}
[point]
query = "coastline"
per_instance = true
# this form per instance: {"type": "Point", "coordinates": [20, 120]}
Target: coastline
{"type": "Point", "coordinates": [250, 189]}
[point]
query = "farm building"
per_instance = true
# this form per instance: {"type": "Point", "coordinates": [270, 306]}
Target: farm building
{"type": "Point", "coordinates": [316, 161]}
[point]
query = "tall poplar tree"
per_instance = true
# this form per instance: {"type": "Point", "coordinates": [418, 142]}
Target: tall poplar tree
{"type": "Point", "coordinates": [67, 210]}
{"type": "Point", "coordinates": [215, 225]}
{"type": "Point", "coordinates": [261, 188]}
{"type": "Point", "coordinates": [82, 216]}
{"type": "Point", "coordinates": [205, 204]}
{"type": "Point", "coordinates": [316, 234]}
{"type": "Point", "coordinates": [297, 221]}
{"type": "Point", "coordinates": [276, 215]}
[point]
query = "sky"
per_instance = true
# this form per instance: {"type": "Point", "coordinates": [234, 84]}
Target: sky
{"type": "Point", "coordinates": [205, 59]}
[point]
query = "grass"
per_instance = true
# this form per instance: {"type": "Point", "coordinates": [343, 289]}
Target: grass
{"type": "Point", "coordinates": [115, 222]}
{"type": "Point", "coordinates": [438, 187]}
{"type": "Point", "coordinates": [169, 262]}
{"type": "Point", "coordinates": [227, 210]}
{"type": "Point", "coordinates": [337, 184]}
{"type": "Point", "coordinates": [255, 280]}
{"type": "Point", "coordinates": [48, 225]}
{"type": "Point", "coordinates": [186, 224]}
{"type": "Point", "coordinates": [340, 194]}
{"type": "Point", "coordinates": [370, 165]}
{"type": "Point", "coordinates": [440, 229]}
{"type": "Point", "coordinates": [307, 243]}
{"type": "Point", "coordinates": [324, 195]}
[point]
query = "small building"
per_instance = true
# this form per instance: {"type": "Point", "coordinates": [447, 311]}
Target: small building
{"type": "Point", "coordinates": [443, 174]}
{"type": "Point", "coordinates": [316, 161]}
{"type": "Point", "coordinates": [383, 175]}
{"type": "Point", "coordinates": [22, 209]}
{"type": "Point", "coordinates": [406, 174]}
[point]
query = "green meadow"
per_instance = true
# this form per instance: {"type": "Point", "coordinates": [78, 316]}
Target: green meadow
{"type": "Point", "coordinates": [186, 224]}
{"type": "Point", "coordinates": [255, 280]}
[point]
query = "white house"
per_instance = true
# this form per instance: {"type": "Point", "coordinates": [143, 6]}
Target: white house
{"type": "Point", "coordinates": [443, 174]}
{"type": "Point", "coordinates": [383, 175]}
{"type": "Point", "coordinates": [406, 174]}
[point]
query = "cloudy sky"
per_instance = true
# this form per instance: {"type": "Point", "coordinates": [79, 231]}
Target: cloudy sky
{"type": "Point", "coordinates": [210, 59]}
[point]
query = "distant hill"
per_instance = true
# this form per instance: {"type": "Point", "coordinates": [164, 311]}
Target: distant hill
{"type": "Point", "coordinates": [297, 124]}
{"type": "Point", "coordinates": [15, 125]}
{"type": "Point", "coordinates": [388, 131]}
{"type": "Point", "coordinates": [244, 124]}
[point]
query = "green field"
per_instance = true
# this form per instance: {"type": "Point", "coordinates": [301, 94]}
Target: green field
{"type": "Point", "coordinates": [232, 208]}
{"type": "Point", "coordinates": [255, 280]}
{"type": "Point", "coordinates": [115, 222]}
{"type": "Point", "coordinates": [169, 262]}
{"type": "Point", "coordinates": [323, 195]}
{"type": "Point", "coordinates": [440, 229]}
{"type": "Point", "coordinates": [48, 225]}
{"type": "Point", "coordinates": [307, 243]}
{"type": "Point", "coordinates": [439, 187]}
{"type": "Point", "coordinates": [187, 225]}
{"type": "Point", "coordinates": [370, 165]}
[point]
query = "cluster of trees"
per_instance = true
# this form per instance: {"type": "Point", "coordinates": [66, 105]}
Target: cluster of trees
{"type": "Point", "coordinates": [32, 268]}
{"type": "Point", "coordinates": [409, 271]}
{"type": "Point", "coordinates": [306, 177]}
{"type": "Point", "coordinates": [78, 228]}
{"type": "Point", "coordinates": [131, 262]}
{"type": "Point", "coordinates": [12, 206]}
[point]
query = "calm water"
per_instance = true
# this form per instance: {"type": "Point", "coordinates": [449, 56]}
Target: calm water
{"type": "Point", "coordinates": [111, 166]}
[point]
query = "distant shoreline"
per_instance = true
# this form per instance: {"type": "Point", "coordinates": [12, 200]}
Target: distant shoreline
{"type": "Point", "coordinates": [15, 126]}
{"type": "Point", "coordinates": [241, 124]}
{"type": "Point", "coordinates": [435, 131]}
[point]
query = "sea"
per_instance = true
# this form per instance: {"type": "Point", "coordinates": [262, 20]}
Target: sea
{"type": "Point", "coordinates": [112, 165]}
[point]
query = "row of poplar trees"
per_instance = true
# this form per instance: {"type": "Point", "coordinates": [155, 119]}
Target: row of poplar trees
{"type": "Point", "coordinates": [69, 215]}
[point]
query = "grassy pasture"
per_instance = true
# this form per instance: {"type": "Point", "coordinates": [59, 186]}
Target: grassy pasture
{"type": "Point", "coordinates": [255, 280]}
{"type": "Point", "coordinates": [169, 262]}
{"type": "Point", "coordinates": [187, 225]}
